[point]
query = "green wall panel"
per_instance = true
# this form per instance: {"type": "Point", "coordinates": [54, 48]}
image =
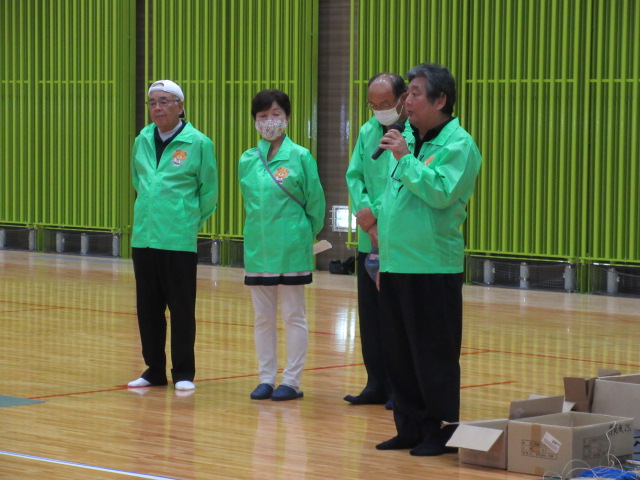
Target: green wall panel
{"type": "Point", "coordinates": [222, 53]}
{"type": "Point", "coordinates": [550, 91]}
{"type": "Point", "coordinates": [66, 94]}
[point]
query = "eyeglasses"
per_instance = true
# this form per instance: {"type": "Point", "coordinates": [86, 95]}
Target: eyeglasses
{"type": "Point", "coordinates": [383, 106]}
{"type": "Point", "coordinates": [161, 103]}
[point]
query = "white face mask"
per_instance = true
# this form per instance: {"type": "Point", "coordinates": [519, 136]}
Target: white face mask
{"type": "Point", "coordinates": [388, 117]}
{"type": "Point", "coordinates": [272, 128]}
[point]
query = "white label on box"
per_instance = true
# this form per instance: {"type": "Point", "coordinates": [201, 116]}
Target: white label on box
{"type": "Point", "coordinates": [551, 442]}
{"type": "Point", "coordinates": [535, 449]}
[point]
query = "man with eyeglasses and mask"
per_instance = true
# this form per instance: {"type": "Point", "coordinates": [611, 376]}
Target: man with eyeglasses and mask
{"type": "Point", "coordinates": [366, 181]}
{"type": "Point", "coordinates": [176, 181]}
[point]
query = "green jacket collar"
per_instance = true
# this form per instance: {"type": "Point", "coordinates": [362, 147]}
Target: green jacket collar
{"type": "Point", "coordinates": [186, 135]}
{"type": "Point", "coordinates": [285, 148]}
{"type": "Point", "coordinates": [446, 132]}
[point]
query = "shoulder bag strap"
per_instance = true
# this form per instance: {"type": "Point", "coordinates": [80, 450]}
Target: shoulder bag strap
{"type": "Point", "coordinates": [264, 162]}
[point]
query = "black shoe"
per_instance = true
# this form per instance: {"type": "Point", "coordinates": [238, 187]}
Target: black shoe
{"type": "Point", "coordinates": [430, 449]}
{"type": "Point", "coordinates": [285, 392]}
{"type": "Point", "coordinates": [388, 405]}
{"type": "Point", "coordinates": [262, 392]}
{"type": "Point", "coordinates": [397, 443]}
{"type": "Point", "coordinates": [363, 399]}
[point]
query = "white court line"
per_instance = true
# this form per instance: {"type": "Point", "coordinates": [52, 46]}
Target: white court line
{"type": "Point", "coordinates": [89, 467]}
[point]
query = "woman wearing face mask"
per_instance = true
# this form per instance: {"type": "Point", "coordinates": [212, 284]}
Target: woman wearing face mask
{"type": "Point", "coordinates": [285, 207]}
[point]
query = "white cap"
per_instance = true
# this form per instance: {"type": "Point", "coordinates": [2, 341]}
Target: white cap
{"type": "Point", "coordinates": [167, 86]}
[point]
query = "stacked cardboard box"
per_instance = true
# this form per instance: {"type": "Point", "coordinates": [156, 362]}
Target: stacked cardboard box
{"type": "Point", "coordinates": [620, 395]}
{"type": "Point", "coordinates": [542, 436]}
{"type": "Point", "coordinates": [564, 442]}
{"type": "Point", "coordinates": [485, 442]}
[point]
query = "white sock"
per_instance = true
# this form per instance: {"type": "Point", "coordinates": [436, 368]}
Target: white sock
{"type": "Point", "coordinates": [140, 382]}
{"type": "Point", "coordinates": [184, 385]}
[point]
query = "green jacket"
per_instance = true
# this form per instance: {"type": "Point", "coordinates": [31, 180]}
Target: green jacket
{"type": "Point", "coordinates": [279, 233]}
{"type": "Point", "coordinates": [176, 196]}
{"type": "Point", "coordinates": [366, 177]}
{"type": "Point", "coordinates": [425, 204]}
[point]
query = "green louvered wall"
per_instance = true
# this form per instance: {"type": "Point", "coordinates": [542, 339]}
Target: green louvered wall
{"type": "Point", "coordinates": [67, 93]}
{"type": "Point", "coordinates": [222, 53]}
{"type": "Point", "coordinates": [66, 96]}
{"type": "Point", "coordinates": [550, 91]}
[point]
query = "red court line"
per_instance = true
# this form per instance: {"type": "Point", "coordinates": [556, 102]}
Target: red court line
{"type": "Point", "coordinates": [330, 367]}
{"type": "Point", "coordinates": [557, 357]}
{"type": "Point", "coordinates": [280, 371]}
{"type": "Point", "coordinates": [228, 324]}
{"type": "Point", "coordinates": [476, 348]}
{"type": "Point", "coordinates": [28, 304]}
{"type": "Point", "coordinates": [69, 394]}
{"type": "Point", "coordinates": [67, 308]}
{"type": "Point", "coordinates": [231, 377]}
{"type": "Point", "coordinates": [328, 333]}
{"type": "Point", "coordinates": [250, 325]}
{"type": "Point", "coordinates": [43, 309]}
{"type": "Point", "coordinates": [247, 325]}
{"type": "Point", "coordinates": [488, 384]}
{"type": "Point", "coordinates": [125, 387]}
{"type": "Point", "coordinates": [474, 353]}
{"type": "Point", "coordinates": [214, 379]}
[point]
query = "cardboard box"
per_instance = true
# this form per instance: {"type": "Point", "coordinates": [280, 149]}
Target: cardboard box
{"type": "Point", "coordinates": [562, 442]}
{"type": "Point", "coordinates": [579, 391]}
{"type": "Point", "coordinates": [484, 442]}
{"type": "Point", "coordinates": [619, 395]}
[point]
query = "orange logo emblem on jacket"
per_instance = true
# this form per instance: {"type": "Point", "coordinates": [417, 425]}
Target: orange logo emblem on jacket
{"type": "Point", "coordinates": [178, 157]}
{"type": "Point", "coordinates": [281, 173]}
{"type": "Point", "coordinates": [429, 160]}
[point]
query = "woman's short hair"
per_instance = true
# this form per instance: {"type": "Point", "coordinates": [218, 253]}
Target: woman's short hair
{"type": "Point", "coordinates": [264, 99]}
{"type": "Point", "coordinates": [439, 81]}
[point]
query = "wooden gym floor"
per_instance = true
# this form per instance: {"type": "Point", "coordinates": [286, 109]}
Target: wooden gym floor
{"type": "Point", "coordinates": [69, 344]}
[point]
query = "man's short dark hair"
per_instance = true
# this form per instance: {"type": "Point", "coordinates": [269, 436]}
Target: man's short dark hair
{"type": "Point", "coordinates": [398, 86]}
{"type": "Point", "coordinates": [439, 81]}
{"type": "Point", "coordinates": [264, 99]}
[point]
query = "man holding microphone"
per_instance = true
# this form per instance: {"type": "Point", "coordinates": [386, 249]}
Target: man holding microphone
{"type": "Point", "coordinates": [422, 262]}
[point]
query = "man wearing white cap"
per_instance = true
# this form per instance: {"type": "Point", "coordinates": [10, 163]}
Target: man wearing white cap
{"type": "Point", "coordinates": [176, 180]}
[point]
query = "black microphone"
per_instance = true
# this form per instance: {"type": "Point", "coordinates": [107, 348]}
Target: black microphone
{"type": "Point", "coordinates": [396, 126]}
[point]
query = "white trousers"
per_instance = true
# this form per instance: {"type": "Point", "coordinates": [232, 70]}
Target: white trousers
{"type": "Point", "coordinates": [293, 310]}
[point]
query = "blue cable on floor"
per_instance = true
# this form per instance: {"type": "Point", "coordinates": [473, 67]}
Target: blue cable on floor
{"type": "Point", "coordinates": [602, 472]}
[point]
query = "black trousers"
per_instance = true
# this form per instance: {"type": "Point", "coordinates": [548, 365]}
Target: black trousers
{"type": "Point", "coordinates": [370, 335]}
{"type": "Point", "coordinates": [166, 278]}
{"type": "Point", "coordinates": [422, 331]}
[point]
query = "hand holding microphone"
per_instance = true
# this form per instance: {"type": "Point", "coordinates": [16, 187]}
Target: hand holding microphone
{"type": "Point", "coordinates": [399, 126]}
